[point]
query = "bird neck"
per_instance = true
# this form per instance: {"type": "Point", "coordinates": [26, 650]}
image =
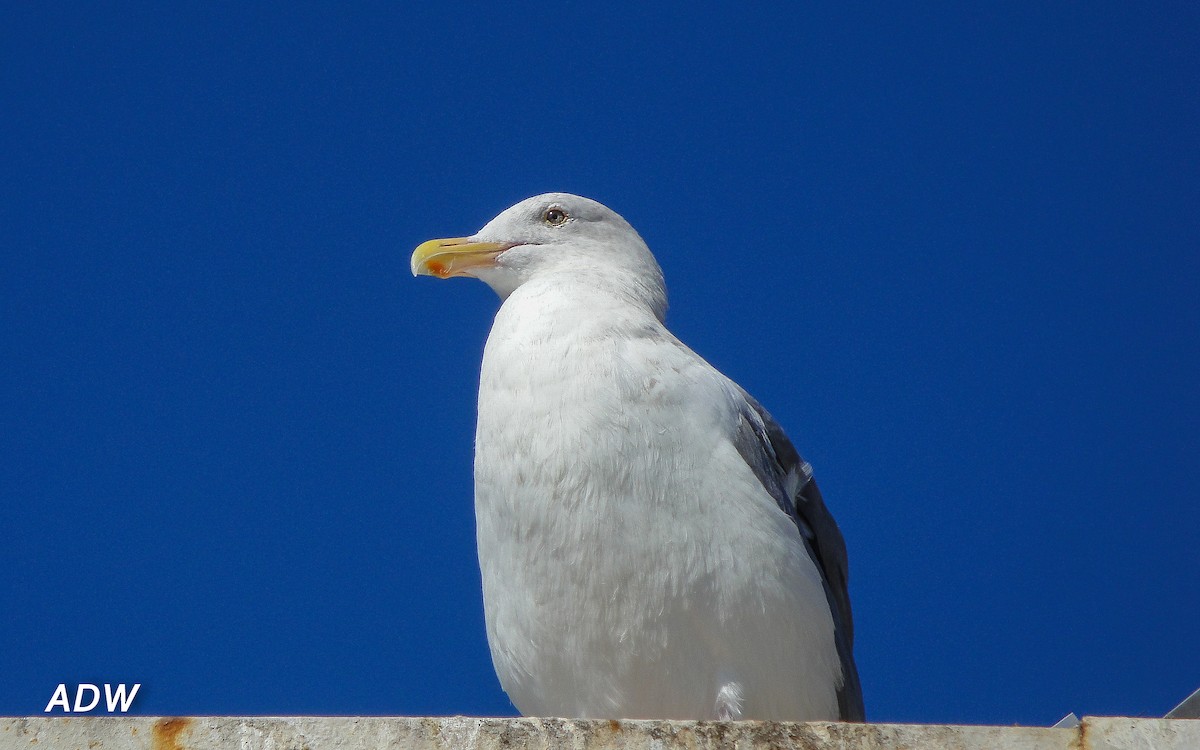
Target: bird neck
{"type": "Point", "coordinates": [581, 306]}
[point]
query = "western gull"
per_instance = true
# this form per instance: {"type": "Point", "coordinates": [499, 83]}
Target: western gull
{"type": "Point", "coordinates": [651, 545]}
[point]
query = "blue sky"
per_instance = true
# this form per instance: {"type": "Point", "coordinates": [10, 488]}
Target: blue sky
{"type": "Point", "coordinates": [954, 248]}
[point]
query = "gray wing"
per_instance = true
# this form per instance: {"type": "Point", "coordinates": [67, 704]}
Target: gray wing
{"type": "Point", "coordinates": [789, 479]}
{"type": "Point", "coordinates": [1189, 709]}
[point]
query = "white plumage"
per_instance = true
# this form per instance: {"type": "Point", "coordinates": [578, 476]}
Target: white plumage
{"type": "Point", "coordinates": [651, 545]}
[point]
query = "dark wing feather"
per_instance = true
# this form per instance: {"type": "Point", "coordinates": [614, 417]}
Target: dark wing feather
{"type": "Point", "coordinates": [788, 477]}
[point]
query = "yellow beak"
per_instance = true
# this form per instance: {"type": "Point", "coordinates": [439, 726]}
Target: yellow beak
{"type": "Point", "coordinates": [454, 256]}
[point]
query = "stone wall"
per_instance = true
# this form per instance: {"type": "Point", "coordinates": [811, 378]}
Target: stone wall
{"type": "Point", "coordinates": [443, 733]}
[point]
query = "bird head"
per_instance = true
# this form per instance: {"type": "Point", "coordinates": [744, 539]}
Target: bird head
{"type": "Point", "coordinates": [554, 234]}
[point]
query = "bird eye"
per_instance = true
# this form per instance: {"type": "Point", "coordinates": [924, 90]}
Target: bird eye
{"type": "Point", "coordinates": [554, 216]}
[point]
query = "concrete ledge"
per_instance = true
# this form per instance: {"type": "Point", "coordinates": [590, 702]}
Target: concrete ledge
{"type": "Point", "coordinates": [444, 733]}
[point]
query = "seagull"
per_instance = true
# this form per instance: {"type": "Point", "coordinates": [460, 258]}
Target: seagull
{"type": "Point", "coordinates": [651, 544]}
